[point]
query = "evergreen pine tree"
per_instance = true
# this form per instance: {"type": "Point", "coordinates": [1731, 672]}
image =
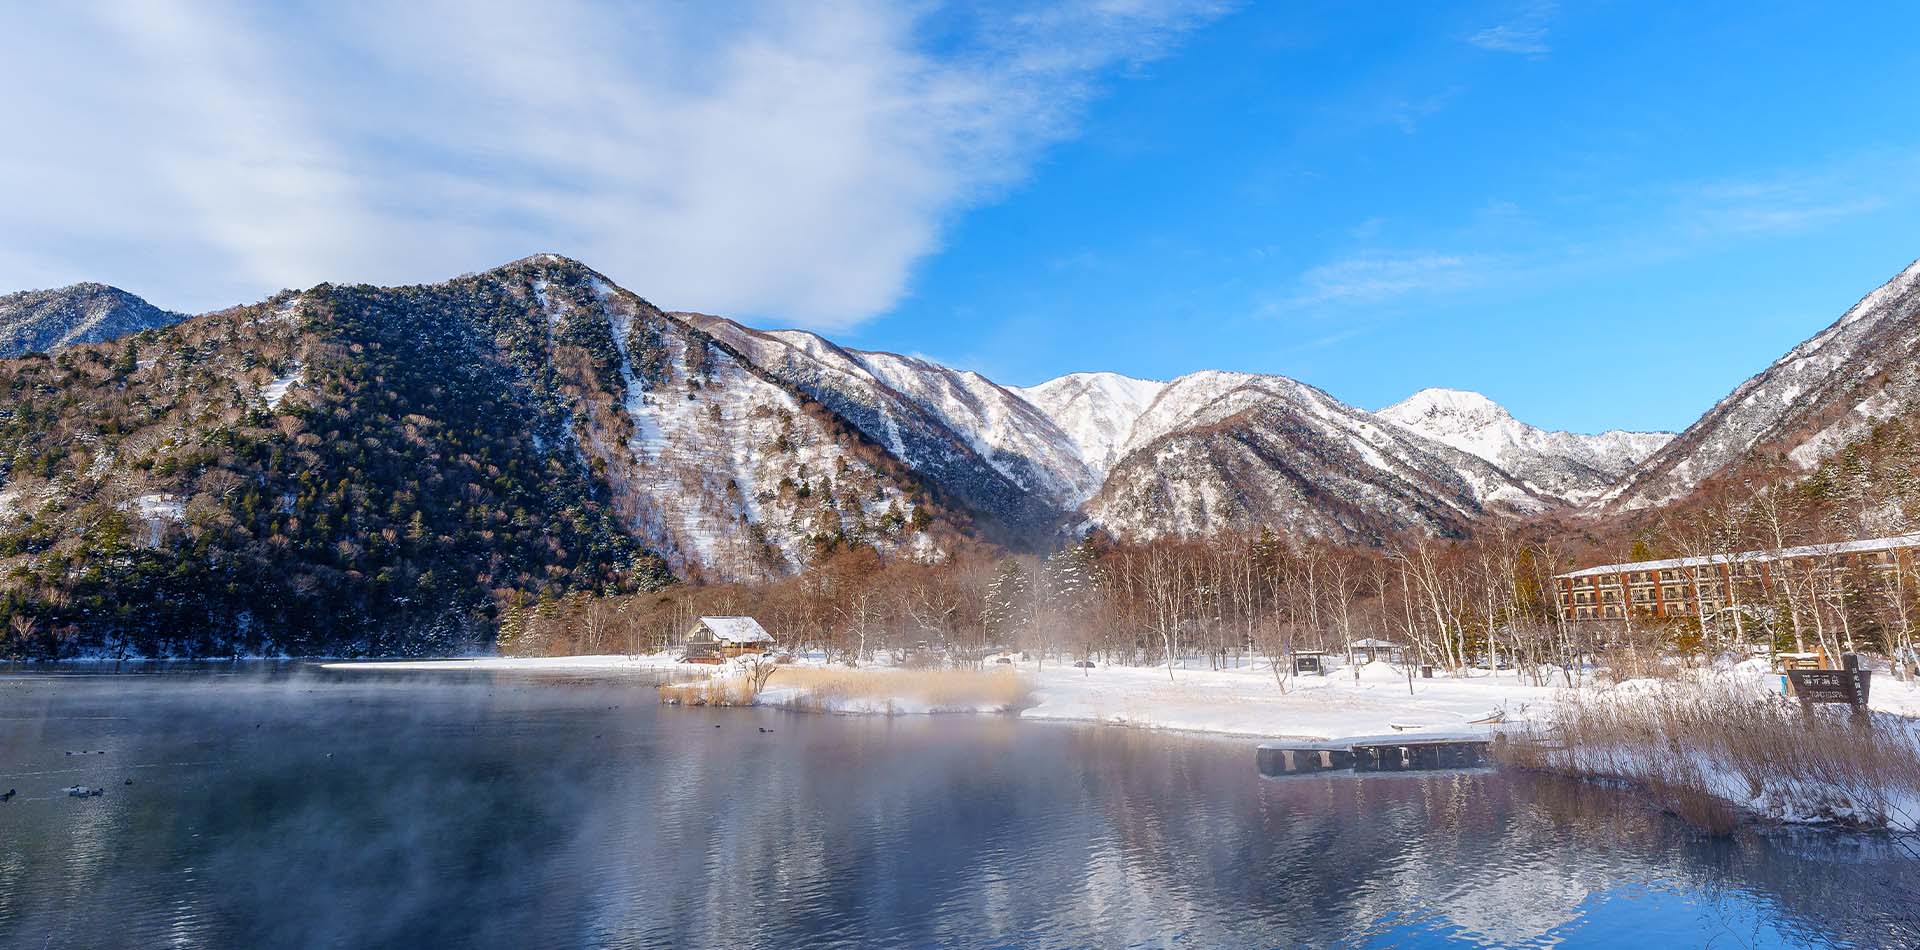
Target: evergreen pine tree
{"type": "Point", "coordinates": [1008, 611]}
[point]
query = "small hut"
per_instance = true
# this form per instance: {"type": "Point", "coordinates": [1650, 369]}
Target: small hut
{"type": "Point", "coordinates": [1371, 649]}
{"type": "Point", "coordinates": [713, 639]}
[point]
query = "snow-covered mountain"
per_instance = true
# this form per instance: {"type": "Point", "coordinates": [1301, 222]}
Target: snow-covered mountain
{"type": "Point", "coordinates": [1096, 411]}
{"type": "Point", "coordinates": [716, 466]}
{"type": "Point", "coordinates": [736, 452]}
{"type": "Point", "coordinates": [980, 443]}
{"type": "Point", "coordinates": [36, 321]}
{"type": "Point", "coordinates": [1567, 466]}
{"type": "Point", "coordinates": [1823, 394]}
{"type": "Point", "coordinates": [1221, 451]}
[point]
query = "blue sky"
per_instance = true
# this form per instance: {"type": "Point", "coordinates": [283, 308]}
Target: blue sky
{"type": "Point", "coordinates": [1600, 214]}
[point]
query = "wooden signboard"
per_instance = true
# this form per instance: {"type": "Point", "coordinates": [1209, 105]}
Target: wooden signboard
{"type": "Point", "coordinates": [1831, 686]}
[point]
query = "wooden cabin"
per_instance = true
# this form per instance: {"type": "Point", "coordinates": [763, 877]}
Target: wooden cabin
{"type": "Point", "coordinates": [714, 639]}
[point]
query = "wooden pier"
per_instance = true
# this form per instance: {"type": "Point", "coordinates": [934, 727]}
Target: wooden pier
{"type": "Point", "coordinates": [1401, 753]}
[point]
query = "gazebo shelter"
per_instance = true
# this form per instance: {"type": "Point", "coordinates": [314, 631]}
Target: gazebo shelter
{"type": "Point", "coordinates": [1372, 649]}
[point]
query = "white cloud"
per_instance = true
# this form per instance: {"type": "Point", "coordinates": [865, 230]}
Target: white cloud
{"type": "Point", "coordinates": [1525, 34]}
{"type": "Point", "coordinates": [781, 159]}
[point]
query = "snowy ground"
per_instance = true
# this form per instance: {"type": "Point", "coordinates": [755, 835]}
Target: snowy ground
{"type": "Point", "coordinates": [1247, 701]}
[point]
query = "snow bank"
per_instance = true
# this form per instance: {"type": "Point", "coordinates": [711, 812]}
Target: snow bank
{"type": "Point", "coordinates": [277, 390]}
{"type": "Point", "coordinates": [160, 507]}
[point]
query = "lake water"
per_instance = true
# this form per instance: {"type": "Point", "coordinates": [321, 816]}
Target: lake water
{"type": "Point", "coordinates": [292, 807]}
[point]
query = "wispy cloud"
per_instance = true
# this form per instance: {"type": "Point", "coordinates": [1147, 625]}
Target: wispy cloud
{"type": "Point", "coordinates": [1781, 204]}
{"type": "Point", "coordinates": [763, 158]}
{"type": "Point", "coordinates": [1377, 278]}
{"type": "Point", "coordinates": [1525, 34]}
{"type": "Point", "coordinates": [1502, 245]}
{"type": "Point", "coordinates": [1409, 113]}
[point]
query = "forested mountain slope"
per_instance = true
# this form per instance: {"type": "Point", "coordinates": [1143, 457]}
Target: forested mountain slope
{"type": "Point", "coordinates": [378, 470]}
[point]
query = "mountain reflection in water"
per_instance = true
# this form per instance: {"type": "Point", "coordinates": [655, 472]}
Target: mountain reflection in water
{"type": "Point", "coordinates": [289, 807]}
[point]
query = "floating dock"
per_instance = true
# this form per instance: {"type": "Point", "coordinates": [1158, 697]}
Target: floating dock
{"type": "Point", "coordinates": [1397, 753]}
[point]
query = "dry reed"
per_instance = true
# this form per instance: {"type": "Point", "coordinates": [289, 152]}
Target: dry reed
{"type": "Point", "coordinates": [883, 690]}
{"type": "Point", "coordinates": [719, 690]}
{"type": "Point", "coordinates": [1711, 754]}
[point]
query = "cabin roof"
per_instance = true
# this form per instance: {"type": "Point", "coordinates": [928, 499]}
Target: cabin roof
{"type": "Point", "coordinates": [736, 629]}
{"type": "Point", "coordinates": [1372, 642]}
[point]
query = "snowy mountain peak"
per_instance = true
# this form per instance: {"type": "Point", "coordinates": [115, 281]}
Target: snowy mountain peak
{"type": "Point", "coordinates": [1876, 301]}
{"type": "Point", "coordinates": [1095, 410]}
{"type": "Point", "coordinates": [1435, 401]}
{"type": "Point", "coordinates": [35, 321]}
{"type": "Point", "coordinates": [1573, 467]}
{"type": "Point", "coordinates": [1465, 420]}
{"type": "Point", "coordinates": [543, 259]}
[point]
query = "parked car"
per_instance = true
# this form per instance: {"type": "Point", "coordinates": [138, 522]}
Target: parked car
{"type": "Point", "coordinates": [1004, 659]}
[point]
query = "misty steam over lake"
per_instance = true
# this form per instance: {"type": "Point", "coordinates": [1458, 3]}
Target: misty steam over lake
{"type": "Point", "coordinates": [283, 806]}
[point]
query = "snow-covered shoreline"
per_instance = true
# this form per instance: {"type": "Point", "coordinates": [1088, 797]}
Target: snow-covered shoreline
{"type": "Point", "coordinates": [1232, 702]}
{"type": "Point", "coordinates": [1235, 702]}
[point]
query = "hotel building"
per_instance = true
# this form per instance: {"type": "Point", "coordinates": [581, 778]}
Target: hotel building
{"type": "Point", "coordinates": [1700, 586]}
